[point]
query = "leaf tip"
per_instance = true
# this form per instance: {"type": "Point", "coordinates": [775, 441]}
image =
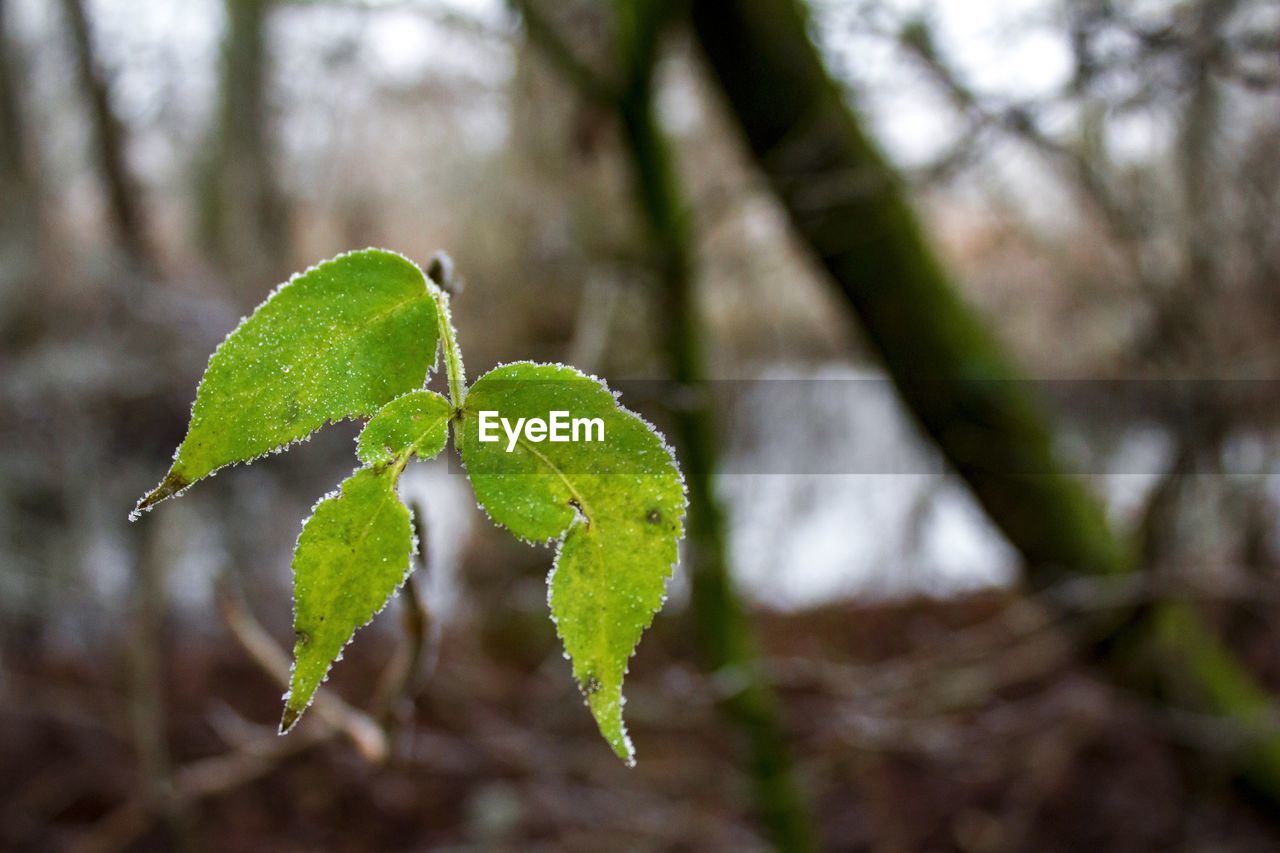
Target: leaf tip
{"type": "Point", "coordinates": [172, 484]}
{"type": "Point", "coordinates": [607, 710]}
{"type": "Point", "coordinates": [624, 750]}
{"type": "Point", "coordinates": [289, 718]}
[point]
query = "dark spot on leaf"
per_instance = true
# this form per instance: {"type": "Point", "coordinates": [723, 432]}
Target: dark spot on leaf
{"type": "Point", "coordinates": [654, 517]}
{"type": "Point", "coordinates": [582, 513]}
{"type": "Point", "coordinates": [590, 685]}
{"type": "Point", "coordinates": [304, 639]}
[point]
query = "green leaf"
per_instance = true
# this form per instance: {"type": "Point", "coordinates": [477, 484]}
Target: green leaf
{"type": "Point", "coordinates": [616, 508]}
{"type": "Point", "coordinates": [353, 554]}
{"type": "Point", "coordinates": [335, 342]}
{"type": "Point", "coordinates": [417, 424]}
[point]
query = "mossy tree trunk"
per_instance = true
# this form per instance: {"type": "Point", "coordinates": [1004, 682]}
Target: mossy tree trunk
{"type": "Point", "coordinates": [725, 636]}
{"type": "Point", "coordinates": [846, 202]}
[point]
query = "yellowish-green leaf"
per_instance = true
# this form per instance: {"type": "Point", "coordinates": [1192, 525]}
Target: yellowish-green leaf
{"type": "Point", "coordinates": [417, 424]}
{"type": "Point", "coordinates": [353, 554]}
{"type": "Point", "coordinates": [616, 508]}
{"type": "Point", "coordinates": [335, 342]}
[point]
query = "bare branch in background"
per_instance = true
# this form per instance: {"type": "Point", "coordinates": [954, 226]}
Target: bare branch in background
{"type": "Point", "coordinates": [244, 213]}
{"type": "Point", "coordinates": [401, 679]}
{"type": "Point", "coordinates": [110, 141]}
{"type": "Point", "coordinates": [23, 217]}
{"type": "Point", "coordinates": [363, 731]}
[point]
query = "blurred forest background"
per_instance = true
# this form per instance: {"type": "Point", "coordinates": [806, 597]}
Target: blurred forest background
{"type": "Point", "coordinates": [981, 430]}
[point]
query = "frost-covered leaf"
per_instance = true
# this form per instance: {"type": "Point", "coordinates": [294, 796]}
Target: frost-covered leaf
{"type": "Point", "coordinates": [615, 506]}
{"type": "Point", "coordinates": [416, 423]}
{"type": "Point", "coordinates": [335, 342]}
{"type": "Point", "coordinates": [356, 336]}
{"type": "Point", "coordinates": [353, 554]}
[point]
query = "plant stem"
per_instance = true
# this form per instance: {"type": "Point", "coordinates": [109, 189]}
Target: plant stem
{"type": "Point", "coordinates": [452, 355]}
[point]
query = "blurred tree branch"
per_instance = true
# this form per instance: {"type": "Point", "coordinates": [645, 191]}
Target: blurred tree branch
{"type": "Point", "coordinates": [15, 166]}
{"type": "Point", "coordinates": [1090, 181]}
{"type": "Point", "coordinates": [23, 221]}
{"type": "Point", "coordinates": [1174, 272]}
{"type": "Point", "coordinates": [110, 141]}
{"type": "Point", "coordinates": [721, 624]}
{"type": "Point", "coordinates": [243, 214]}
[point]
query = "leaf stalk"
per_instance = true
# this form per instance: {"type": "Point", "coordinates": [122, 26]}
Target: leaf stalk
{"type": "Point", "coordinates": [452, 355]}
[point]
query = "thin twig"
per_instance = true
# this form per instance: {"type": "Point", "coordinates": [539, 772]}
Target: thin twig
{"type": "Point", "coordinates": [399, 682]}
{"type": "Point", "coordinates": [359, 727]}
